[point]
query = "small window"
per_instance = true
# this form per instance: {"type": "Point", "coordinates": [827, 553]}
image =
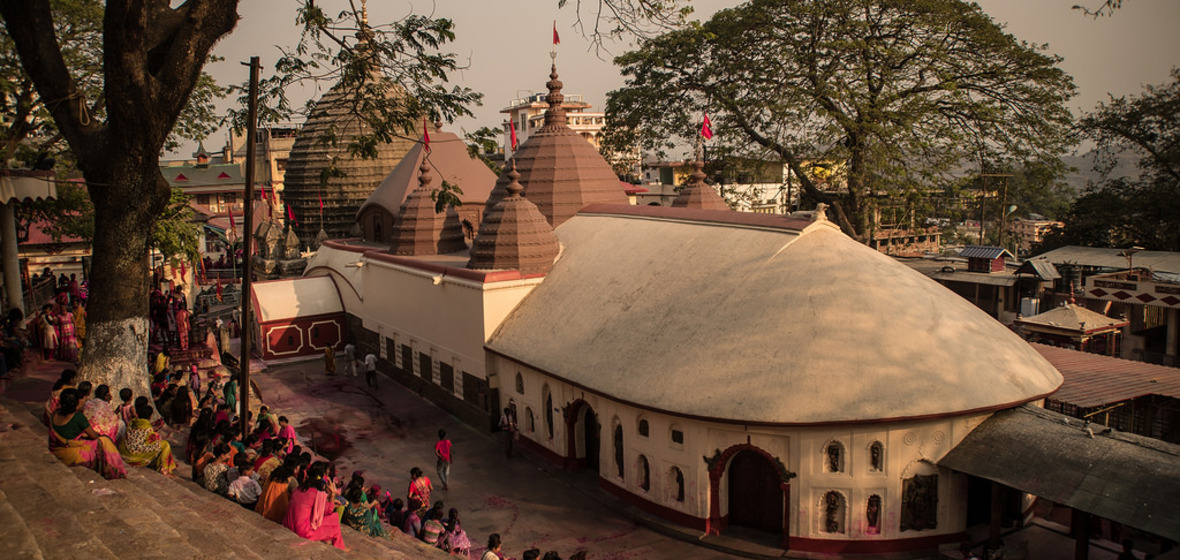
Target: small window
{"type": "Point", "coordinates": [315, 332]}
{"type": "Point", "coordinates": [531, 423]}
{"type": "Point", "coordinates": [643, 428]}
{"type": "Point", "coordinates": [548, 411]}
{"type": "Point", "coordinates": [677, 437]}
{"type": "Point", "coordinates": [290, 340]}
{"type": "Point", "coordinates": [519, 383]}
{"type": "Point", "coordinates": [644, 474]}
{"type": "Point", "coordinates": [877, 457]}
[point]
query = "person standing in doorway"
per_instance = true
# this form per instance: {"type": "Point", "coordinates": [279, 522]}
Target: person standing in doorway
{"type": "Point", "coordinates": [508, 426]}
{"type": "Point", "coordinates": [350, 357]}
{"type": "Point", "coordinates": [442, 452]}
{"type": "Point", "coordinates": [371, 370]}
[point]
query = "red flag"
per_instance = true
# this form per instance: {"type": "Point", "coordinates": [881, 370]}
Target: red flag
{"type": "Point", "coordinates": [707, 128]}
{"type": "Point", "coordinates": [183, 270]}
{"type": "Point", "coordinates": [512, 127]}
{"type": "Point", "coordinates": [218, 288]}
{"type": "Point", "coordinates": [291, 215]}
{"type": "Point", "coordinates": [232, 223]}
{"type": "Point", "coordinates": [321, 197]}
{"type": "Point", "coordinates": [556, 37]}
{"type": "Point", "coordinates": [425, 134]}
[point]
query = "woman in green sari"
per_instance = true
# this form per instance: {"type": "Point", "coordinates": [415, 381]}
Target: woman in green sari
{"type": "Point", "coordinates": [361, 512]}
{"type": "Point", "coordinates": [142, 446]}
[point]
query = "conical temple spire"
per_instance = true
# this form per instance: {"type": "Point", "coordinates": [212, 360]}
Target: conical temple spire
{"type": "Point", "coordinates": [419, 230]}
{"type": "Point", "coordinates": [514, 235]}
{"type": "Point", "coordinates": [698, 194]}
{"type": "Point", "coordinates": [555, 116]}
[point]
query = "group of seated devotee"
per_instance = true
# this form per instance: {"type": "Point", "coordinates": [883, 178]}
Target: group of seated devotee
{"type": "Point", "coordinates": [86, 429]}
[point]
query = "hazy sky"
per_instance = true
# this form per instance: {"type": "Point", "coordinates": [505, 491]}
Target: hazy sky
{"type": "Point", "coordinates": [505, 44]}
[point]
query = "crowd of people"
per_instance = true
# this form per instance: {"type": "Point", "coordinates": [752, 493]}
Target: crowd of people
{"type": "Point", "coordinates": [267, 471]}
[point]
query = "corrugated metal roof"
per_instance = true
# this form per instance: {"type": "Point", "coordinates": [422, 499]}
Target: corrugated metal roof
{"type": "Point", "coordinates": [983, 252]}
{"type": "Point", "coordinates": [1041, 267]}
{"type": "Point", "coordinates": [995, 279]}
{"type": "Point", "coordinates": [1160, 261]}
{"type": "Point", "coordinates": [1072, 317]}
{"type": "Point", "coordinates": [1092, 380]}
{"type": "Point", "coordinates": [1131, 479]}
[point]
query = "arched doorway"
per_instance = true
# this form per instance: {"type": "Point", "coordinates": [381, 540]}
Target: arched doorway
{"type": "Point", "coordinates": [755, 493]}
{"type": "Point", "coordinates": [590, 437]}
{"type": "Point", "coordinates": [582, 434]}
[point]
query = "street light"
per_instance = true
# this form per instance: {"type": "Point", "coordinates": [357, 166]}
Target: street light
{"type": "Point", "coordinates": [1003, 220]}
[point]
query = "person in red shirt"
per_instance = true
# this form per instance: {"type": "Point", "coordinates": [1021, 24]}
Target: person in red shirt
{"type": "Point", "coordinates": [442, 450]}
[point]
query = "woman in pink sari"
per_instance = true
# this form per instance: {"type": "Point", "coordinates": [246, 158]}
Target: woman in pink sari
{"type": "Point", "coordinates": [310, 511]}
{"type": "Point", "coordinates": [101, 414]}
{"type": "Point", "coordinates": [74, 442]}
{"type": "Point", "coordinates": [68, 342]}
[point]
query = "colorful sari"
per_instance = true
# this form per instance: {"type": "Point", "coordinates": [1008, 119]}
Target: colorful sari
{"type": "Point", "coordinates": [310, 515]}
{"type": "Point", "coordinates": [98, 454]}
{"type": "Point", "coordinates": [102, 418]}
{"type": "Point", "coordinates": [361, 517]}
{"type": "Point", "coordinates": [143, 447]}
{"type": "Point", "coordinates": [68, 346]}
{"type": "Point", "coordinates": [272, 504]}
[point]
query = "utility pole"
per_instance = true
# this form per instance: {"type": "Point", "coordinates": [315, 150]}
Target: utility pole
{"type": "Point", "coordinates": [247, 242]}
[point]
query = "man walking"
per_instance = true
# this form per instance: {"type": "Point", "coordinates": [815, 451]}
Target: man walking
{"type": "Point", "coordinates": [350, 357]}
{"type": "Point", "coordinates": [371, 370]}
{"type": "Point", "coordinates": [442, 451]}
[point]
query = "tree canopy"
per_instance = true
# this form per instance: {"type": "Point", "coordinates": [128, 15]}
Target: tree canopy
{"type": "Point", "coordinates": [1123, 211]}
{"type": "Point", "coordinates": [896, 95]}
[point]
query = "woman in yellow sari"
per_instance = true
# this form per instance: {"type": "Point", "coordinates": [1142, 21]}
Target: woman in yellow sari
{"type": "Point", "coordinates": [142, 446]}
{"type": "Point", "coordinates": [80, 323]}
{"type": "Point", "coordinates": [74, 442]}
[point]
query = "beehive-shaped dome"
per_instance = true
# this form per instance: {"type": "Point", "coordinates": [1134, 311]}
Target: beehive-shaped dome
{"type": "Point", "coordinates": [357, 177]}
{"type": "Point", "coordinates": [419, 229]}
{"type": "Point", "coordinates": [514, 235]}
{"type": "Point", "coordinates": [561, 172]}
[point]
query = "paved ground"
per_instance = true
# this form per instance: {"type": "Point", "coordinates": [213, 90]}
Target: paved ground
{"type": "Point", "coordinates": [529, 501]}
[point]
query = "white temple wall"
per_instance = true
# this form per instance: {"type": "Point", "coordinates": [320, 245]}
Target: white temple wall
{"type": "Point", "coordinates": [907, 449]}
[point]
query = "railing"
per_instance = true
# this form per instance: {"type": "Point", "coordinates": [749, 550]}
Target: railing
{"type": "Point", "coordinates": [40, 293]}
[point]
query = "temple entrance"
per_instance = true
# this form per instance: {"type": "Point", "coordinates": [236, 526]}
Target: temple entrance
{"type": "Point", "coordinates": [590, 437]}
{"type": "Point", "coordinates": [582, 437]}
{"type": "Point", "coordinates": [755, 493]}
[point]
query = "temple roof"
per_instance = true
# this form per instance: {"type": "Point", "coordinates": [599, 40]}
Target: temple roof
{"type": "Point", "coordinates": [757, 318]}
{"type": "Point", "coordinates": [561, 172]}
{"type": "Point", "coordinates": [698, 194]}
{"type": "Point", "coordinates": [514, 235]}
{"type": "Point", "coordinates": [1074, 318]}
{"type": "Point", "coordinates": [418, 229]}
{"type": "Point", "coordinates": [450, 159]}
{"type": "Point", "coordinates": [357, 177]}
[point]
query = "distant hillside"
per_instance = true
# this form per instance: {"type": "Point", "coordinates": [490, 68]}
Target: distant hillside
{"type": "Point", "coordinates": [1085, 174]}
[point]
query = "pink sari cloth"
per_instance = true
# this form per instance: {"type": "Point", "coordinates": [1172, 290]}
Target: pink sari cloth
{"type": "Point", "coordinates": [102, 417]}
{"type": "Point", "coordinates": [98, 454]}
{"type": "Point", "coordinates": [68, 343]}
{"type": "Point", "coordinates": [310, 516]}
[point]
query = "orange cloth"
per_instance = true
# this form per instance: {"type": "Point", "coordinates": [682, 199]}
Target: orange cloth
{"type": "Point", "coordinates": [273, 502]}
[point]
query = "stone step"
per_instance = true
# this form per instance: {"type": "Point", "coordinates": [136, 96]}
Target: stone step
{"type": "Point", "coordinates": [175, 511]}
{"type": "Point", "coordinates": [18, 540]}
{"type": "Point", "coordinates": [55, 527]}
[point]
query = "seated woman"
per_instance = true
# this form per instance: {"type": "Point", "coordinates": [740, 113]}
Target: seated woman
{"type": "Point", "coordinates": [142, 446]}
{"type": "Point", "coordinates": [276, 492]}
{"type": "Point", "coordinates": [310, 513]}
{"type": "Point", "coordinates": [101, 414]}
{"type": "Point", "coordinates": [67, 380]}
{"type": "Point", "coordinates": [74, 442]}
{"type": "Point", "coordinates": [361, 511]}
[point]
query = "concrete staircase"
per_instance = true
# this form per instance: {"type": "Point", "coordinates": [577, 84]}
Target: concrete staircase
{"type": "Point", "coordinates": [48, 510]}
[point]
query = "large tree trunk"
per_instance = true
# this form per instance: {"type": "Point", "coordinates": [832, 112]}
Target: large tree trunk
{"type": "Point", "coordinates": [116, 343]}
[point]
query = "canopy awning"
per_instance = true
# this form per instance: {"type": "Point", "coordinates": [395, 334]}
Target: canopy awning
{"type": "Point", "coordinates": [282, 300]}
{"type": "Point", "coordinates": [1127, 478]}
